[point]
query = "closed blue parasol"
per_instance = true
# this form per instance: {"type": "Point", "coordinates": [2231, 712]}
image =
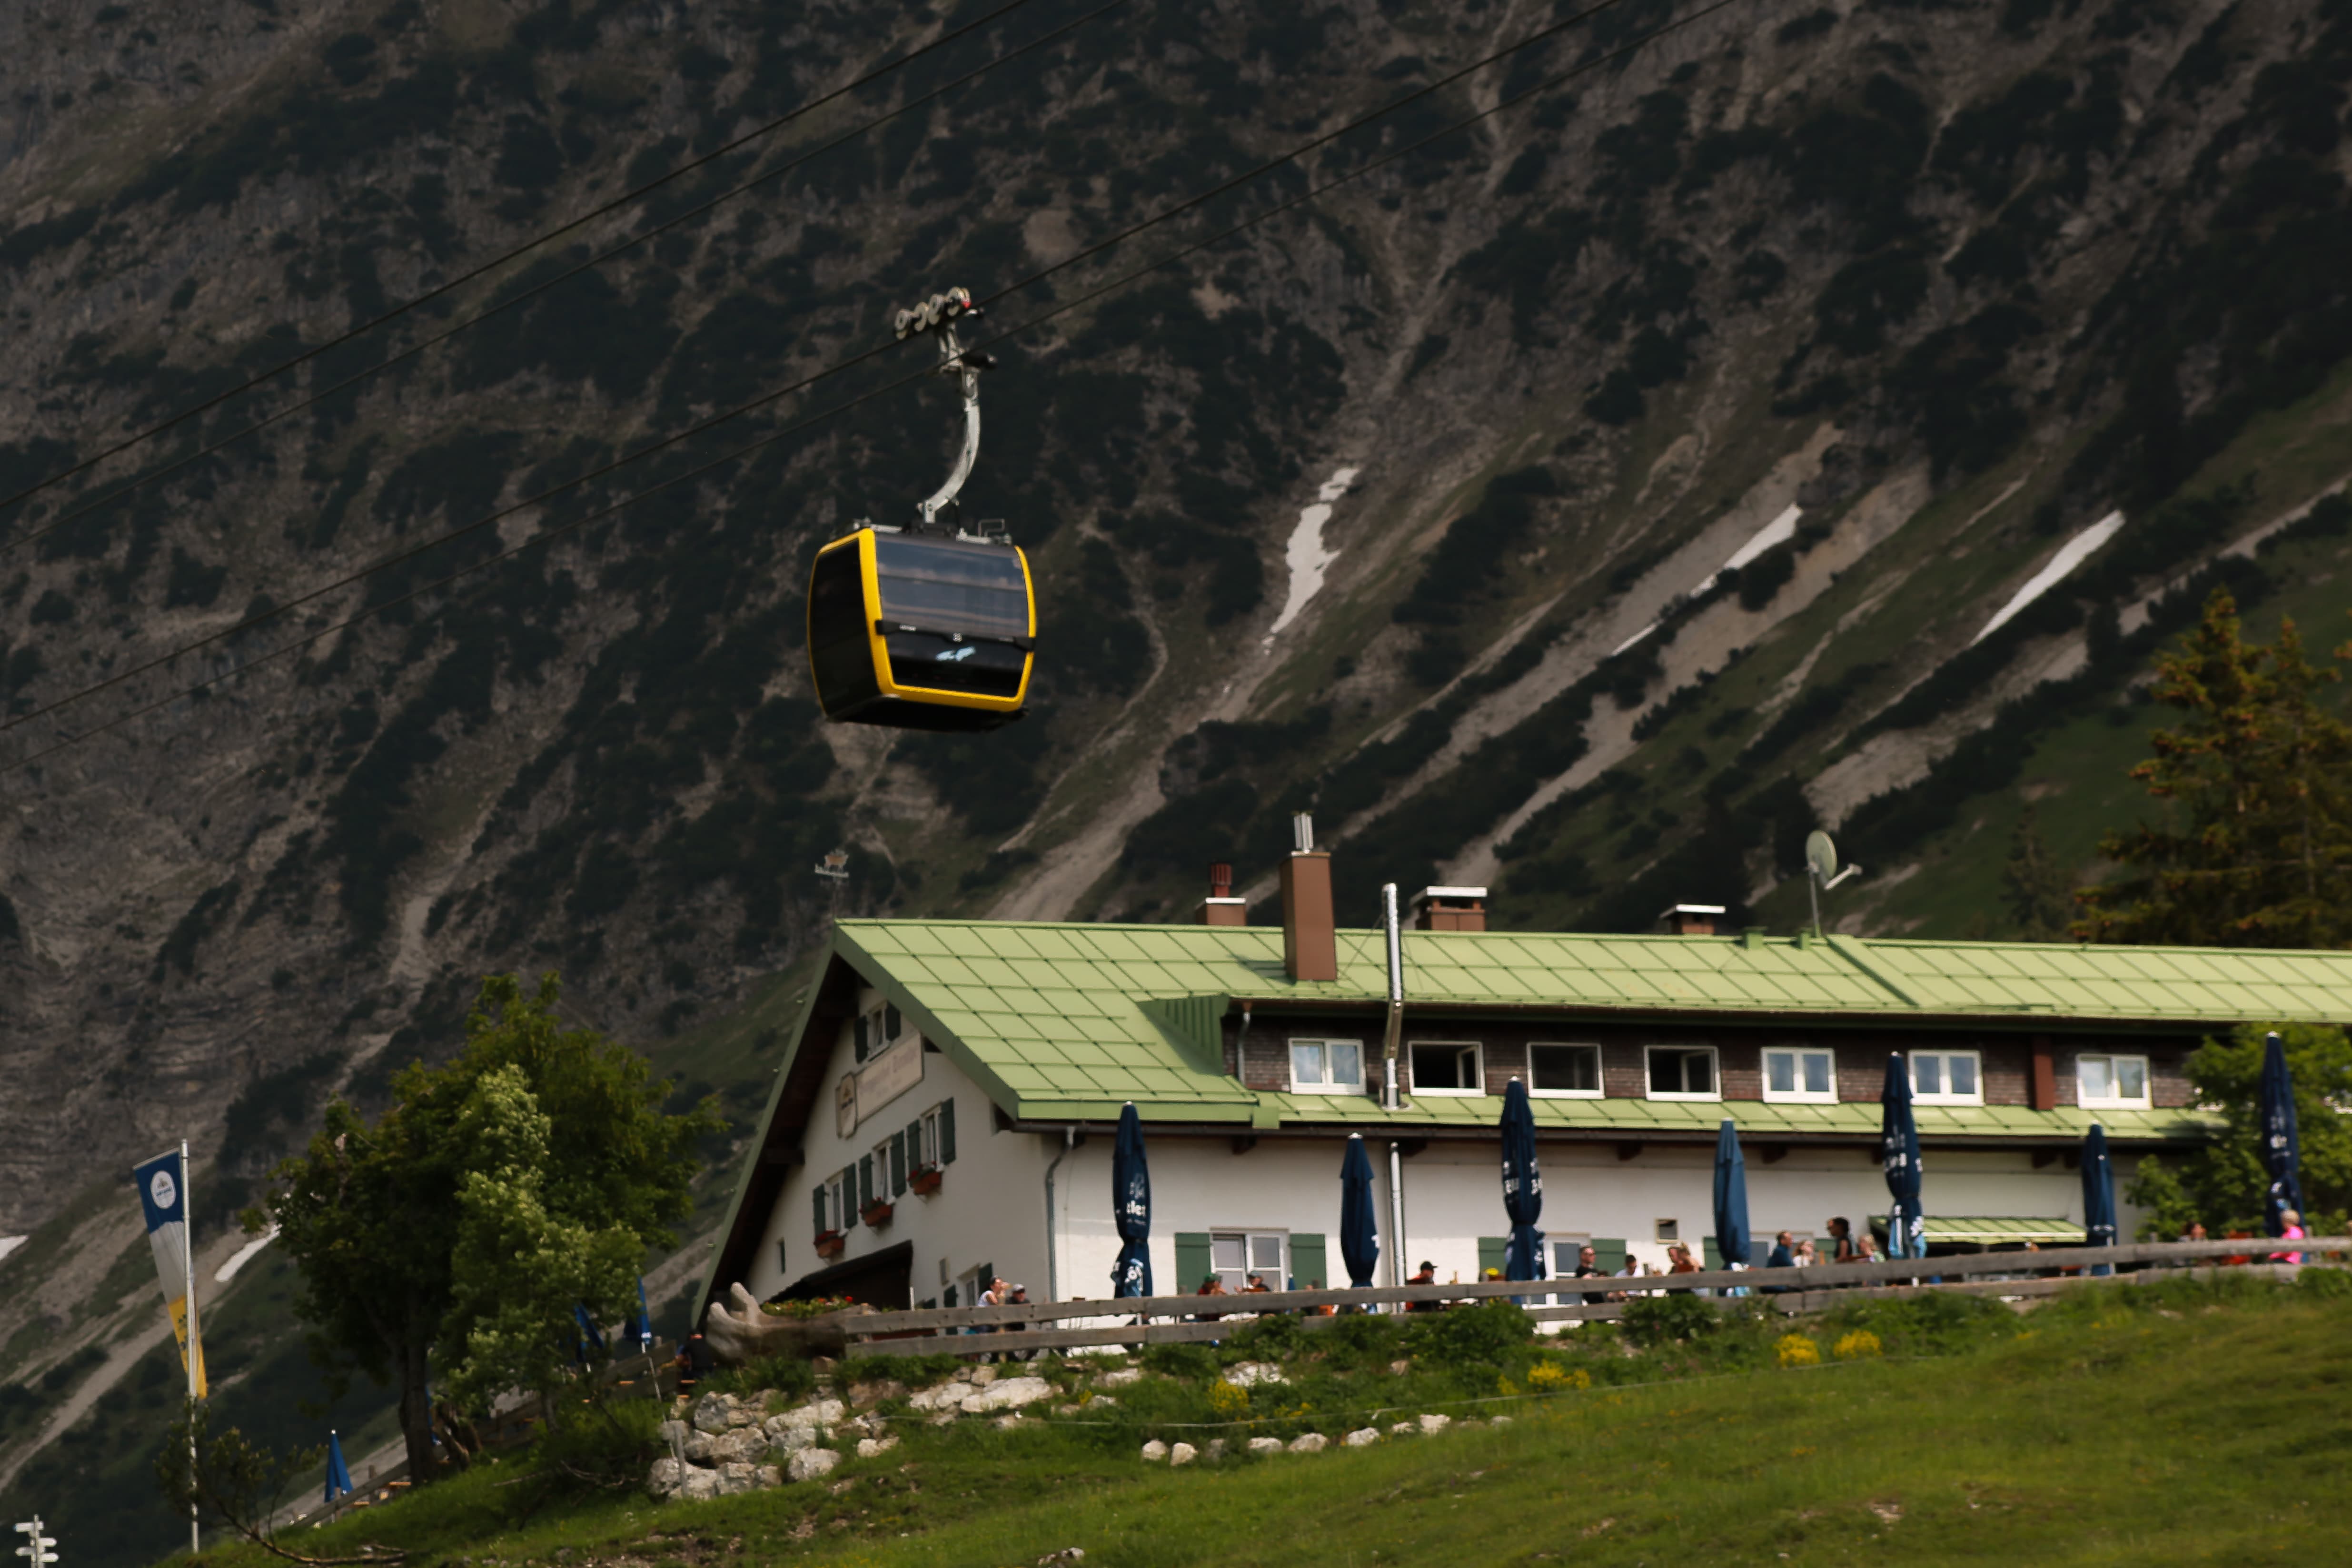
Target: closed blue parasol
{"type": "Point", "coordinates": [1898, 1141]}
{"type": "Point", "coordinates": [339, 1474]}
{"type": "Point", "coordinates": [2282, 1146]}
{"type": "Point", "coordinates": [1359, 1239]}
{"type": "Point", "coordinates": [1522, 1186]}
{"type": "Point", "coordinates": [1130, 1197]}
{"type": "Point", "coordinates": [1731, 1237]}
{"type": "Point", "coordinates": [2098, 1194]}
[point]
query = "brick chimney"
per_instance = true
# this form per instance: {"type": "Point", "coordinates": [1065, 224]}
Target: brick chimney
{"type": "Point", "coordinates": [1450, 908]}
{"type": "Point", "coordinates": [1310, 946]}
{"type": "Point", "coordinates": [1220, 908]}
{"type": "Point", "coordinates": [1690, 920]}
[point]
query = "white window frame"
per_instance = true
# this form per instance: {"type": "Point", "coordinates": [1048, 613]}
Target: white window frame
{"type": "Point", "coordinates": [1477, 1067]}
{"type": "Point", "coordinates": [1249, 1237]}
{"type": "Point", "coordinates": [2144, 1102]}
{"type": "Point", "coordinates": [1799, 1095]}
{"type": "Point", "coordinates": [1946, 1096]}
{"type": "Point", "coordinates": [836, 1189]}
{"type": "Point", "coordinates": [1715, 1075]}
{"type": "Point", "coordinates": [1290, 1067]}
{"type": "Point", "coordinates": [1600, 1084]}
{"type": "Point", "coordinates": [926, 1149]}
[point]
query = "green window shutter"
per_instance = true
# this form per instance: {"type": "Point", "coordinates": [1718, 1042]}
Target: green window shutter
{"type": "Point", "coordinates": [914, 1137]}
{"type": "Point", "coordinates": [947, 1133]}
{"type": "Point", "coordinates": [864, 1180]}
{"type": "Point", "coordinates": [898, 1164]}
{"type": "Point", "coordinates": [819, 1196]}
{"type": "Point", "coordinates": [861, 1044]}
{"type": "Point", "coordinates": [783, 1264]}
{"type": "Point", "coordinates": [1492, 1250]}
{"type": "Point", "coordinates": [1608, 1257]}
{"type": "Point", "coordinates": [1307, 1262]}
{"type": "Point", "coordinates": [1192, 1258]}
{"type": "Point", "coordinates": [1714, 1258]}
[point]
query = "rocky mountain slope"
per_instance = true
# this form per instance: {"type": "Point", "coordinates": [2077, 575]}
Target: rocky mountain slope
{"type": "Point", "coordinates": [1416, 505]}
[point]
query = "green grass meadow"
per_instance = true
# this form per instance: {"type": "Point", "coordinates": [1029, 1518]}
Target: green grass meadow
{"type": "Point", "coordinates": [2186, 1423]}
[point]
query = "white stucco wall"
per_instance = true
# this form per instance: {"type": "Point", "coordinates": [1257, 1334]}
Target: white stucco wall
{"type": "Point", "coordinates": [990, 1207]}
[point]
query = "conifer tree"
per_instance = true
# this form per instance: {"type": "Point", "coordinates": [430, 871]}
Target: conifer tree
{"type": "Point", "coordinates": [2254, 849]}
{"type": "Point", "coordinates": [2039, 892]}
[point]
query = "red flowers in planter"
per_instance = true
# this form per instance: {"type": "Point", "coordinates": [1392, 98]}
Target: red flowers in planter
{"type": "Point", "coordinates": [924, 1179]}
{"type": "Point", "coordinates": [876, 1214]}
{"type": "Point", "coordinates": [831, 1243]}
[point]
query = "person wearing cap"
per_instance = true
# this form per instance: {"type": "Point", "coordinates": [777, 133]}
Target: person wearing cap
{"type": "Point", "coordinates": [1427, 1275]}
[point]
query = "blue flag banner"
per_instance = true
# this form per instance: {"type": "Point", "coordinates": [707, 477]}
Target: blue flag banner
{"type": "Point", "coordinates": [162, 1183]}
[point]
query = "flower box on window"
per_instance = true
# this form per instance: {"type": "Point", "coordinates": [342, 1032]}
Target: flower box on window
{"type": "Point", "coordinates": [924, 1179]}
{"type": "Point", "coordinates": [876, 1214]}
{"type": "Point", "coordinates": [831, 1243]}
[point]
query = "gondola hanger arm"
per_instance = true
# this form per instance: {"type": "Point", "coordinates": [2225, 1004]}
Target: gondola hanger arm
{"type": "Point", "coordinates": [938, 315]}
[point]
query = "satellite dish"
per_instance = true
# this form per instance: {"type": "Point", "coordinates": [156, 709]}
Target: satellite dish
{"type": "Point", "coordinates": [1821, 857]}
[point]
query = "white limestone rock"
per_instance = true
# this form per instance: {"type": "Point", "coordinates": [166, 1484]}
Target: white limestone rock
{"type": "Point", "coordinates": [815, 1412]}
{"type": "Point", "coordinates": [1502, 1421]}
{"type": "Point", "coordinates": [807, 1464]}
{"type": "Point", "coordinates": [1435, 1424]}
{"type": "Point", "coordinates": [874, 1448]}
{"type": "Point", "coordinates": [1216, 1449]}
{"type": "Point", "coordinates": [666, 1478]}
{"type": "Point", "coordinates": [1405, 1429]}
{"type": "Point", "coordinates": [1011, 1394]}
{"type": "Point", "coordinates": [1250, 1373]}
{"type": "Point", "coordinates": [1182, 1454]}
{"type": "Point", "coordinates": [981, 1376]}
{"type": "Point", "coordinates": [699, 1485]}
{"type": "Point", "coordinates": [946, 1396]}
{"type": "Point", "coordinates": [735, 1480]}
{"type": "Point", "coordinates": [1265, 1445]}
{"type": "Point", "coordinates": [1312, 1443]}
{"type": "Point", "coordinates": [1120, 1377]}
{"type": "Point", "coordinates": [713, 1413]}
{"type": "Point", "coordinates": [743, 1446]}
{"type": "Point", "coordinates": [1362, 1437]}
{"type": "Point", "coordinates": [1153, 1451]}
{"type": "Point", "coordinates": [791, 1439]}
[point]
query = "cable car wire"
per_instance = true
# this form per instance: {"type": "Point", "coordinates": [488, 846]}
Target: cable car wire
{"type": "Point", "coordinates": [1109, 242]}
{"type": "Point", "coordinates": [542, 285]}
{"type": "Point", "coordinates": [624, 199]}
{"type": "Point", "coordinates": [1035, 278]}
{"type": "Point", "coordinates": [550, 536]}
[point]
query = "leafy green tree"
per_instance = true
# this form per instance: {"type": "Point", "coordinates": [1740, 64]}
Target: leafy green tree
{"type": "Point", "coordinates": [2039, 892]}
{"type": "Point", "coordinates": [531, 1173]}
{"type": "Point", "coordinates": [2223, 1183]}
{"type": "Point", "coordinates": [240, 1484]}
{"type": "Point", "coordinates": [2260, 834]}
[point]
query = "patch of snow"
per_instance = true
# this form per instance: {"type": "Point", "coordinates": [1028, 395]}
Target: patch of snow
{"type": "Point", "coordinates": [1780, 531]}
{"type": "Point", "coordinates": [1309, 561]}
{"type": "Point", "coordinates": [237, 1260]}
{"type": "Point", "coordinates": [2072, 554]}
{"type": "Point", "coordinates": [9, 1243]}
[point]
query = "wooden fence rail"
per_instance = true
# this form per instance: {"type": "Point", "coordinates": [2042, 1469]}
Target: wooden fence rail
{"type": "Point", "coordinates": [1004, 1328]}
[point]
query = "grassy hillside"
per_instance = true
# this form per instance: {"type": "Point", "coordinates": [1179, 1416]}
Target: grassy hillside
{"type": "Point", "coordinates": [2181, 1424]}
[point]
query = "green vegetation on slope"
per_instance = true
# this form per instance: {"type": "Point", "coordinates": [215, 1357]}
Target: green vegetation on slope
{"type": "Point", "coordinates": [2191, 1421]}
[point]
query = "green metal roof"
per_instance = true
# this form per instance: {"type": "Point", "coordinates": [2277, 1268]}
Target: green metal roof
{"type": "Point", "coordinates": [1066, 1021]}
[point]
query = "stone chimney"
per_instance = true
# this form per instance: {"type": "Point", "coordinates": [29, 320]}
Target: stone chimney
{"type": "Point", "coordinates": [1220, 908]}
{"type": "Point", "coordinates": [1310, 944]}
{"type": "Point", "coordinates": [1690, 920]}
{"type": "Point", "coordinates": [1450, 908]}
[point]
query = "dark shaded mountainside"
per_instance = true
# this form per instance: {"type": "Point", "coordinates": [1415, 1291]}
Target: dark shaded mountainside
{"type": "Point", "coordinates": [1412, 505]}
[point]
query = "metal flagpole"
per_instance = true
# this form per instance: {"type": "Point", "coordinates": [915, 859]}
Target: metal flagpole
{"type": "Point", "coordinates": [188, 1235]}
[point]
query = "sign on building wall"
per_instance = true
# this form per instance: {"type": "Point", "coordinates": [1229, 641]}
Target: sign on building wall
{"type": "Point", "coordinates": [861, 1093]}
